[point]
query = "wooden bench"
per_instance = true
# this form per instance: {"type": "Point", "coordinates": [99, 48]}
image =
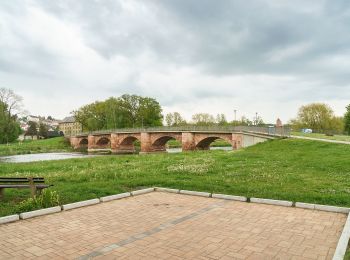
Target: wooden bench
{"type": "Point", "coordinates": [35, 184]}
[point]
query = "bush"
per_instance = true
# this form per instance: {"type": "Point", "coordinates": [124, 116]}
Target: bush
{"type": "Point", "coordinates": [45, 200]}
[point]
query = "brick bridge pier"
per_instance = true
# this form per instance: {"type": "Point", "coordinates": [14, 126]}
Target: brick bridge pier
{"type": "Point", "coordinates": [120, 141]}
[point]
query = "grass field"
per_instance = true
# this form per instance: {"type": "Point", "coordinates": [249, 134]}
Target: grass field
{"type": "Point", "coordinates": [323, 136]}
{"type": "Point", "coordinates": [57, 144]}
{"type": "Point", "coordinates": [298, 170]}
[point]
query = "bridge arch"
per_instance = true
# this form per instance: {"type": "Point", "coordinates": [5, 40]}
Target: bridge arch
{"type": "Point", "coordinates": [204, 143]}
{"type": "Point", "coordinates": [103, 141]}
{"type": "Point", "coordinates": [126, 143]}
{"type": "Point", "coordinates": [159, 141]}
{"type": "Point", "coordinates": [84, 142]}
{"type": "Point", "coordinates": [129, 140]}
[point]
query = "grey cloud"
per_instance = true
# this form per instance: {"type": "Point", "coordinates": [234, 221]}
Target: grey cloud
{"type": "Point", "coordinates": [223, 38]}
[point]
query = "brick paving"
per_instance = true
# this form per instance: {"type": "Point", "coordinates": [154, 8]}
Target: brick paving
{"type": "Point", "coordinates": [173, 226]}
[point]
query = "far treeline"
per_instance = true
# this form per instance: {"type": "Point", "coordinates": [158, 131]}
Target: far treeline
{"type": "Point", "coordinates": [132, 111]}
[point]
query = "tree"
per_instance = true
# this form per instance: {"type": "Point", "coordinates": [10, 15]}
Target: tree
{"type": "Point", "coordinates": [32, 129]}
{"type": "Point", "coordinates": [43, 130]}
{"type": "Point", "coordinates": [203, 119]}
{"type": "Point", "coordinates": [9, 127]}
{"type": "Point", "coordinates": [347, 120]}
{"type": "Point", "coordinates": [10, 105]}
{"type": "Point", "coordinates": [221, 119]}
{"type": "Point", "coordinates": [12, 100]}
{"type": "Point", "coordinates": [174, 119]}
{"type": "Point", "coordinates": [258, 121]}
{"type": "Point", "coordinates": [317, 116]}
{"type": "Point", "coordinates": [121, 112]}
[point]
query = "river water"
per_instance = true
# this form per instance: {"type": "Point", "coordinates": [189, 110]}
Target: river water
{"type": "Point", "coordinates": [61, 156]}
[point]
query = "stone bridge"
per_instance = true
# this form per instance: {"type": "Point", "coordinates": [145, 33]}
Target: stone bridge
{"type": "Point", "coordinates": [120, 141]}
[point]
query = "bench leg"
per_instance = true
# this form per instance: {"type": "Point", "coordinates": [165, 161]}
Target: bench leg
{"type": "Point", "coordinates": [2, 193]}
{"type": "Point", "coordinates": [32, 187]}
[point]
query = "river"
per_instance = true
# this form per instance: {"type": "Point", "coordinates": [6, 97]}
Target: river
{"type": "Point", "coordinates": [61, 156]}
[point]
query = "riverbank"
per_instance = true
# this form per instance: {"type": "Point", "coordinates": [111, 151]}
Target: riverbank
{"type": "Point", "coordinates": [57, 144]}
{"type": "Point", "coordinates": [290, 169]}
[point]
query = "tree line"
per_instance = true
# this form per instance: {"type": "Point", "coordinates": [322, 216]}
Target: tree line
{"type": "Point", "coordinates": [320, 118]}
{"type": "Point", "coordinates": [205, 119]}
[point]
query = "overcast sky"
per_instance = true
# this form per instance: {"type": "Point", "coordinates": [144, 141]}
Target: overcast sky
{"type": "Point", "coordinates": [209, 56]}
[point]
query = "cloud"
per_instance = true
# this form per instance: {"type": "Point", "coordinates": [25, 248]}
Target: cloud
{"type": "Point", "coordinates": [268, 56]}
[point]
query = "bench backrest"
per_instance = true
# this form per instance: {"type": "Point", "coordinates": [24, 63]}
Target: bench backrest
{"type": "Point", "coordinates": [21, 179]}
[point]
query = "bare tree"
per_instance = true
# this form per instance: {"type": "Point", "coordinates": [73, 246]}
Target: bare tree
{"type": "Point", "coordinates": [13, 101]}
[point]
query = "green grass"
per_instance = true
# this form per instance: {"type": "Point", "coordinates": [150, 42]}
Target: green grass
{"type": "Point", "coordinates": [57, 144]}
{"type": "Point", "coordinates": [289, 169]}
{"type": "Point", "coordinates": [323, 136]}
{"type": "Point", "coordinates": [347, 255]}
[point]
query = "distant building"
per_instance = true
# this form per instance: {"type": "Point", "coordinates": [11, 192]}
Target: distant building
{"type": "Point", "coordinates": [279, 123]}
{"type": "Point", "coordinates": [68, 126]}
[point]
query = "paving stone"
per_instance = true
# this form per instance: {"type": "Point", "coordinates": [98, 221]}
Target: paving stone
{"type": "Point", "coordinates": [174, 226]}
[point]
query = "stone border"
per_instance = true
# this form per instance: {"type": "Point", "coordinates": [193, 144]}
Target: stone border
{"type": "Point", "coordinates": [229, 197]}
{"type": "Point", "coordinates": [343, 241]}
{"type": "Point", "coordinates": [322, 207]}
{"type": "Point", "coordinates": [166, 190]}
{"type": "Point", "coordinates": [143, 191]}
{"type": "Point", "coordinates": [196, 193]}
{"type": "Point", "coordinates": [40, 212]}
{"type": "Point", "coordinates": [115, 197]}
{"type": "Point", "coordinates": [338, 255]}
{"type": "Point", "coordinates": [8, 219]}
{"type": "Point", "coordinates": [80, 204]}
{"type": "Point", "coordinates": [284, 203]}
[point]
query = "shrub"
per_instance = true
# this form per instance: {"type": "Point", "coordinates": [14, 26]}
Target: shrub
{"type": "Point", "coordinates": [45, 200]}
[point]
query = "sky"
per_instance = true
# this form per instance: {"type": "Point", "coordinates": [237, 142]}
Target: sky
{"type": "Point", "coordinates": [264, 56]}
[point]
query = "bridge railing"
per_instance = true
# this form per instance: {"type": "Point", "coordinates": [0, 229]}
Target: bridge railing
{"type": "Point", "coordinates": [275, 131]}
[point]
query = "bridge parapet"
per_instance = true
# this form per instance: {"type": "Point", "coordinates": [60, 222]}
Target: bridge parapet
{"type": "Point", "coordinates": [271, 131]}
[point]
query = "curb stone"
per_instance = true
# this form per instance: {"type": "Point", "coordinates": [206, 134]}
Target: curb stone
{"type": "Point", "coordinates": [343, 241]}
{"type": "Point", "coordinates": [115, 197]}
{"type": "Point", "coordinates": [8, 219]}
{"type": "Point", "coordinates": [284, 203]}
{"type": "Point", "coordinates": [195, 193]}
{"type": "Point", "coordinates": [303, 205]}
{"type": "Point", "coordinates": [332, 208]}
{"type": "Point", "coordinates": [80, 204]}
{"type": "Point", "coordinates": [229, 197]}
{"type": "Point", "coordinates": [139, 192]}
{"type": "Point", "coordinates": [167, 190]}
{"type": "Point", "coordinates": [40, 212]}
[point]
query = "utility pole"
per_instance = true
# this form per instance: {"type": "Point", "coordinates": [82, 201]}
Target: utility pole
{"type": "Point", "coordinates": [235, 114]}
{"type": "Point", "coordinates": [256, 118]}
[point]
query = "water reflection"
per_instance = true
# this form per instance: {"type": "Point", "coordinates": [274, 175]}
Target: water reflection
{"type": "Point", "coordinates": [61, 156]}
{"type": "Point", "coordinates": [41, 157]}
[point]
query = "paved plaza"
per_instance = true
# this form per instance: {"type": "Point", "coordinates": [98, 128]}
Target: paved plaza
{"type": "Point", "coordinates": [161, 225]}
